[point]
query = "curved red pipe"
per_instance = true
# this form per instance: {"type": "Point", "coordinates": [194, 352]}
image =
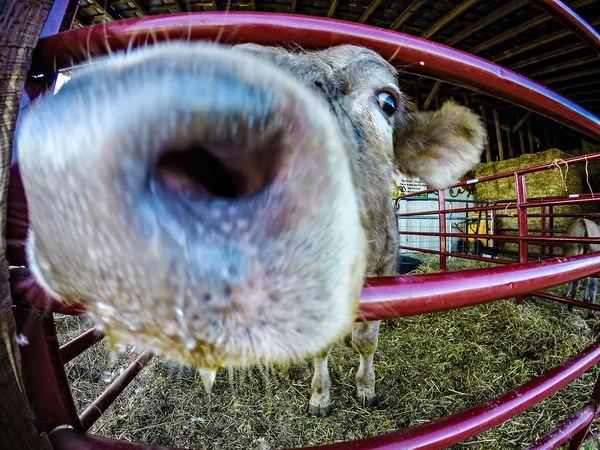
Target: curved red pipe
{"type": "Point", "coordinates": [572, 21]}
{"type": "Point", "coordinates": [390, 297]}
{"type": "Point", "coordinates": [432, 435]}
{"type": "Point", "coordinates": [452, 429]}
{"type": "Point", "coordinates": [413, 54]}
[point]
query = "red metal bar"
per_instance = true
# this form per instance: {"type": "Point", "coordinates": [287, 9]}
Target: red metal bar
{"type": "Point", "coordinates": [508, 237]}
{"type": "Point", "coordinates": [560, 239]}
{"type": "Point", "coordinates": [44, 376]}
{"type": "Point", "coordinates": [543, 231]}
{"type": "Point", "coordinates": [522, 222]}
{"type": "Point", "coordinates": [450, 430]}
{"type": "Point", "coordinates": [458, 255]}
{"type": "Point", "coordinates": [546, 166]}
{"type": "Point", "coordinates": [80, 344]}
{"type": "Point", "coordinates": [468, 235]}
{"type": "Point", "coordinates": [530, 230]}
{"type": "Point", "coordinates": [580, 437]}
{"type": "Point", "coordinates": [442, 222]}
{"type": "Point", "coordinates": [390, 297]}
{"type": "Point", "coordinates": [572, 21]}
{"type": "Point", "coordinates": [25, 290]}
{"type": "Point", "coordinates": [566, 201]}
{"type": "Point", "coordinates": [69, 439]}
{"type": "Point", "coordinates": [457, 210]}
{"type": "Point", "coordinates": [512, 205]}
{"type": "Point", "coordinates": [568, 301]}
{"type": "Point", "coordinates": [571, 214]}
{"type": "Point", "coordinates": [414, 54]}
{"type": "Point", "coordinates": [577, 421]}
{"type": "Point", "coordinates": [95, 410]}
{"type": "Point", "coordinates": [433, 435]}
{"type": "Point", "coordinates": [552, 216]}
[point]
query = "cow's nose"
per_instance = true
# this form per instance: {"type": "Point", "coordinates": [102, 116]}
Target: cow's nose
{"type": "Point", "coordinates": [220, 170]}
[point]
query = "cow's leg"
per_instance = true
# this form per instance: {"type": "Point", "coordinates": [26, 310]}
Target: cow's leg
{"type": "Point", "coordinates": [320, 400]}
{"type": "Point", "coordinates": [571, 292]}
{"type": "Point", "coordinates": [364, 341]}
{"type": "Point", "coordinates": [586, 291]}
{"type": "Point", "coordinates": [593, 281]}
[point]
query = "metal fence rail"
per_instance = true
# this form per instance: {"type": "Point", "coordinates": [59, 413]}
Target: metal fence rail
{"type": "Point", "coordinates": [43, 360]}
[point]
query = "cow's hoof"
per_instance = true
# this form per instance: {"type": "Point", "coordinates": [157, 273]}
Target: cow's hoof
{"type": "Point", "coordinates": [320, 404]}
{"type": "Point", "coordinates": [319, 410]}
{"type": "Point", "coordinates": [366, 396]}
{"type": "Point", "coordinates": [591, 314]}
{"type": "Point", "coordinates": [570, 308]}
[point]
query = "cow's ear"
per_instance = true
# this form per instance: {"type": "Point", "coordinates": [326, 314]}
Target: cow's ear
{"type": "Point", "coordinates": [439, 146]}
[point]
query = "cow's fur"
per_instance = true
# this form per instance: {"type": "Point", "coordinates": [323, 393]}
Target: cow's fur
{"type": "Point", "coordinates": [583, 228]}
{"type": "Point", "coordinates": [223, 206]}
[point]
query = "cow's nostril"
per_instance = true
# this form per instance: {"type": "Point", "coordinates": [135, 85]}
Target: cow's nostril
{"type": "Point", "coordinates": [208, 172]}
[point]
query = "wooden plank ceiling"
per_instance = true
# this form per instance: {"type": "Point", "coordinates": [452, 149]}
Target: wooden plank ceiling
{"type": "Point", "coordinates": [513, 33]}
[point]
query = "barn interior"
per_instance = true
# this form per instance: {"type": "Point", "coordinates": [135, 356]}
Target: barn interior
{"type": "Point", "coordinates": [428, 366]}
{"type": "Point", "coordinates": [517, 34]}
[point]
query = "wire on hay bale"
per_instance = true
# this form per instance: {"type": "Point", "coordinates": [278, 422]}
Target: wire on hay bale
{"type": "Point", "coordinates": [559, 180]}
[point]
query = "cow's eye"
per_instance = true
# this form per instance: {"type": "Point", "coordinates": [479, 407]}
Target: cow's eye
{"type": "Point", "coordinates": [386, 102]}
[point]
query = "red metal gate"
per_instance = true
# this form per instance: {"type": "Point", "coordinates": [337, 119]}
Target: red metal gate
{"type": "Point", "coordinates": [382, 298]}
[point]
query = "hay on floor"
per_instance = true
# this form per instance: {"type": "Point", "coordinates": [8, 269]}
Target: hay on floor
{"type": "Point", "coordinates": [427, 367]}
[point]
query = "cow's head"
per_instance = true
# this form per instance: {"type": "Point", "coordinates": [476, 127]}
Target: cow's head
{"type": "Point", "coordinates": [215, 203]}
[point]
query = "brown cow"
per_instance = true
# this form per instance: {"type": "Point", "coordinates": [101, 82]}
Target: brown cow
{"type": "Point", "coordinates": [223, 206]}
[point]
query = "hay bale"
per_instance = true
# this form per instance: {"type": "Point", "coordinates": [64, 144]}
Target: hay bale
{"type": "Point", "coordinates": [547, 183]}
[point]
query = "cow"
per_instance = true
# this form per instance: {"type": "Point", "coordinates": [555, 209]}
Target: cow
{"type": "Point", "coordinates": [223, 205]}
{"type": "Point", "coordinates": [582, 228]}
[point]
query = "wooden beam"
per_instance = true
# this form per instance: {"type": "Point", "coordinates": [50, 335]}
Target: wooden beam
{"type": "Point", "coordinates": [488, 149]}
{"type": "Point", "coordinates": [417, 96]}
{"type": "Point", "coordinates": [530, 137]}
{"type": "Point", "coordinates": [485, 21]}
{"type": "Point", "coordinates": [570, 76]}
{"type": "Point", "coordinates": [511, 150]}
{"type": "Point", "coordinates": [293, 7]}
{"type": "Point", "coordinates": [448, 17]}
{"type": "Point", "coordinates": [332, 7]}
{"type": "Point", "coordinates": [107, 8]}
{"type": "Point", "coordinates": [182, 5]}
{"type": "Point", "coordinates": [547, 39]}
{"type": "Point", "coordinates": [547, 137]}
{"type": "Point", "coordinates": [509, 34]}
{"type": "Point", "coordinates": [139, 5]}
{"type": "Point", "coordinates": [590, 100]}
{"type": "Point", "coordinates": [20, 25]}
{"type": "Point", "coordinates": [498, 135]}
{"type": "Point", "coordinates": [502, 126]}
{"type": "Point", "coordinates": [551, 54]}
{"type": "Point", "coordinates": [566, 16]}
{"type": "Point", "coordinates": [370, 9]}
{"type": "Point", "coordinates": [432, 94]}
{"type": "Point", "coordinates": [565, 65]}
{"type": "Point", "coordinates": [584, 93]}
{"type": "Point", "coordinates": [521, 121]}
{"type": "Point", "coordinates": [592, 82]}
{"type": "Point", "coordinates": [409, 11]}
{"type": "Point", "coordinates": [522, 142]}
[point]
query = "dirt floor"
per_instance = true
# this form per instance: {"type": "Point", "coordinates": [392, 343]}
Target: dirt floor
{"type": "Point", "coordinates": [427, 367]}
